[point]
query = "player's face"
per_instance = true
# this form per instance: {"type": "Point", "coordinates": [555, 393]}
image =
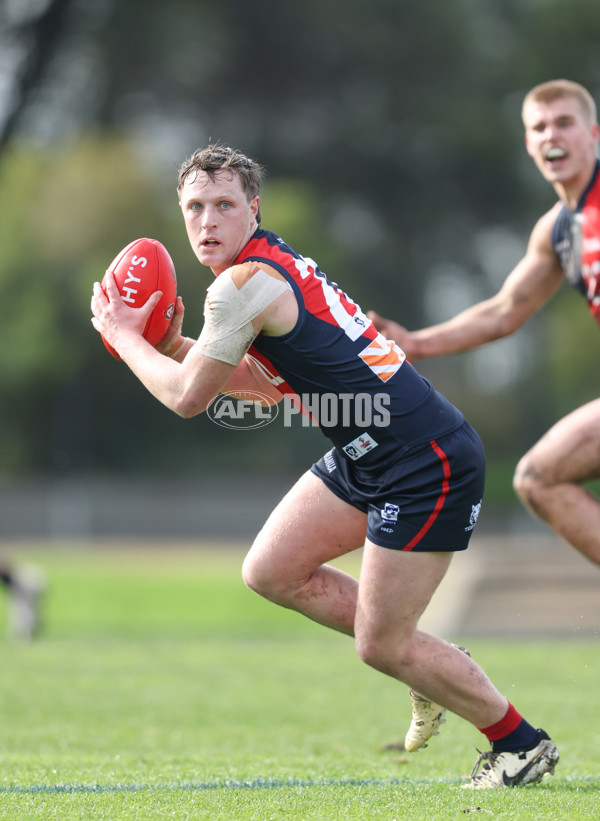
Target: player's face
{"type": "Point", "coordinates": [560, 140]}
{"type": "Point", "coordinates": [218, 217]}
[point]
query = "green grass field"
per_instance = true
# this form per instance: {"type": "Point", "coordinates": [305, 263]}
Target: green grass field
{"type": "Point", "coordinates": [162, 688]}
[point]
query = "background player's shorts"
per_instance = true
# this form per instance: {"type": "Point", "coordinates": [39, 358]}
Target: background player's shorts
{"type": "Point", "coordinates": [427, 501]}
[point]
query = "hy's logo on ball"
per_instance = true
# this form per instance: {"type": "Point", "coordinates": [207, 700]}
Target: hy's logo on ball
{"type": "Point", "coordinates": [242, 410]}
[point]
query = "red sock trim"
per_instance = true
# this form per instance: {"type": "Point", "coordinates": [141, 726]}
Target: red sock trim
{"type": "Point", "coordinates": [505, 726]}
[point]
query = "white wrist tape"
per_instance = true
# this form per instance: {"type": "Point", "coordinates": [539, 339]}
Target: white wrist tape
{"type": "Point", "coordinates": [228, 313]}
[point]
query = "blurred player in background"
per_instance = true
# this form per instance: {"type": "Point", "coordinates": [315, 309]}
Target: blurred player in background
{"type": "Point", "coordinates": [405, 481]}
{"type": "Point", "coordinates": [24, 587]}
{"type": "Point", "coordinates": [561, 135]}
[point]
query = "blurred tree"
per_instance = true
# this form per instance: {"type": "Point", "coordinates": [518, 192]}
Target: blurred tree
{"type": "Point", "coordinates": [30, 32]}
{"type": "Point", "coordinates": [392, 137]}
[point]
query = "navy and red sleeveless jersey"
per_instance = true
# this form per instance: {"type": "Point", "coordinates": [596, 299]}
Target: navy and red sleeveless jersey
{"type": "Point", "coordinates": [340, 365]}
{"type": "Point", "coordinates": [576, 241]}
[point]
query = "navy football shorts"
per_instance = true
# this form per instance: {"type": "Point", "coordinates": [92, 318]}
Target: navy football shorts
{"type": "Point", "coordinates": [428, 501]}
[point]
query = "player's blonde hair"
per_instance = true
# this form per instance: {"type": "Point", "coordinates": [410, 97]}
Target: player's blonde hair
{"type": "Point", "coordinates": [216, 157]}
{"type": "Point", "coordinates": [556, 90]}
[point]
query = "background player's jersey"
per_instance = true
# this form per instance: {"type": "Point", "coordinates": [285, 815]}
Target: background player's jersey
{"type": "Point", "coordinates": [366, 397]}
{"type": "Point", "coordinates": [576, 241]}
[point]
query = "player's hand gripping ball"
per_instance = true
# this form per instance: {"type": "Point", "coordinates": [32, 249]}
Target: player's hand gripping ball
{"type": "Point", "coordinates": [140, 269]}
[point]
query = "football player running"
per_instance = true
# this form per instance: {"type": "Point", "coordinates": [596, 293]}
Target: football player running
{"type": "Point", "coordinates": [561, 136]}
{"type": "Point", "coordinates": [407, 485]}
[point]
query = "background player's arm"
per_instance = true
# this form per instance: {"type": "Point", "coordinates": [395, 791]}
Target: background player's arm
{"type": "Point", "coordinates": [532, 282]}
{"type": "Point", "coordinates": [248, 377]}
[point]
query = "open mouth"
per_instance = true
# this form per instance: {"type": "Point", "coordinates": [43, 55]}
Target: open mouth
{"type": "Point", "coordinates": [554, 155]}
{"type": "Point", "coordinates": [210, 243]}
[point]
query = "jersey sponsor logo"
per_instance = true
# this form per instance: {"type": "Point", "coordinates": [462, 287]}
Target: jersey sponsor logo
{"type": "Point", "coordinates": [383, 357]}
{"type": "Point", "coordinates": [326, 301]}
{"type": "Point", "coordinates": [359, 446]}
{"type": "Point", "coordinates": [329, 461]}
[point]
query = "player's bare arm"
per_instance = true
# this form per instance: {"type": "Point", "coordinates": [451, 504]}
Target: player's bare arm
{"type": "Point", "coordinates": [531, 283]}
{"type": "Point", "coordinates": [394, 331]}
{"type": "Point", "coordinates": [189, 386]}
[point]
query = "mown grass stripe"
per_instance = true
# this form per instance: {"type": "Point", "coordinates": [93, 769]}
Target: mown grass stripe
{"type": "Point", "coordinates": [253, 784]}
{"type": "Point", "coordinates": [263, 784]}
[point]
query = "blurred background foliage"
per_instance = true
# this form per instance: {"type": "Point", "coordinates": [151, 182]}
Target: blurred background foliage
{"type": "Point", "coordinates": [392, 137]}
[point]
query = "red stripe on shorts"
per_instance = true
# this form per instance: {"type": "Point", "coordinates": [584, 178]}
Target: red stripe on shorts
{"type": "Point", "coordinates": [441, 498]}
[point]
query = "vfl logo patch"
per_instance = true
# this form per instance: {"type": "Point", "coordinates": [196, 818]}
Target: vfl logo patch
{"type": "Point", "coordinates": [359, 446]}
{"type": "Point", "coordinates": [389, 512]}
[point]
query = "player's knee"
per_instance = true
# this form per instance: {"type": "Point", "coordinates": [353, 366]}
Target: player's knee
{"type": "Point", "coordinates": [385, 653]}
{"type": "Point", "coordinates": [256, 575]}
{"type": "Point", "coordinates": [369, 651]}
{"type": "Point", "coordinates": [265, 580]}
{"type": "Point", "coordinates": [526, 481]}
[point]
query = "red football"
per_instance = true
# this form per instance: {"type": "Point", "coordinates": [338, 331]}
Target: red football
{"type": "Point", "coordinates": [141, 268]}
